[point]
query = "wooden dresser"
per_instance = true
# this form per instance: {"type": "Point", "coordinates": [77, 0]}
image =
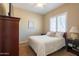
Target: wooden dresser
{"type": "Point", "coordinates": [9, 36]}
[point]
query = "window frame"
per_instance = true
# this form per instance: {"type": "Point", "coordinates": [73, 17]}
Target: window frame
{"type": "Point", "coordinates": [64, 13]}
{"type": "Point", "coordinates": [31, 29]}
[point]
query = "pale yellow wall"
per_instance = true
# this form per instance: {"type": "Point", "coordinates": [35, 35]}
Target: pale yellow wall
{"type": "Point", "coordinates": [23, 25]}
{"type": "Point", "coordinates": [42, 22]}
{"type": "Point", "coordinates": [72, 18]}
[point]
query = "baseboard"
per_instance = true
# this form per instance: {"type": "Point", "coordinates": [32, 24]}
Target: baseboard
{"type": "Point", "coordinates": [22, 42]}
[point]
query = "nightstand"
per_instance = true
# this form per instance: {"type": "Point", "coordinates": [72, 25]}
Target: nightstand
{"type": "Point", "coordinates": [73, 46]}
{"type": "Point", "coordinates": [42, 34]}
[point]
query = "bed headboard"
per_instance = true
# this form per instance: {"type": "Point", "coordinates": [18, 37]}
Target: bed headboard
{"type": "Point", "coordinates": [65, 35]}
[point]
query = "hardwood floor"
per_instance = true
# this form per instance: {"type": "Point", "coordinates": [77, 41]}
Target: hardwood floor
{"type": "Point", "coordinates": [25, 50]}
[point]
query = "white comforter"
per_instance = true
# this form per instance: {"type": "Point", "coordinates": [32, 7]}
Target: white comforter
{"type": "Point", "coordinates": [44, 45]}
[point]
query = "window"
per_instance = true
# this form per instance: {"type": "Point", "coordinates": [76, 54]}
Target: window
{"type": "Point", "coordinates": [53, 24]}
{"type": "Point", "coordinates": [31, 25]}
{"type": "Point", "coordinates": [58, 23]}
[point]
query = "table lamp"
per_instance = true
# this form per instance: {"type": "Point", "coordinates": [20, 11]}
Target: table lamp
{"type": "Point", "coordinates": [74, 32]}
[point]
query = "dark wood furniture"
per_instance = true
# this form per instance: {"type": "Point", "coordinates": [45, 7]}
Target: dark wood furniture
{"type": "Point", "coordinates": [9, 36]}
{"type": "Point", "coordinates": [73, 46]}
{"type": "Point", "coordinates": [42, 34]}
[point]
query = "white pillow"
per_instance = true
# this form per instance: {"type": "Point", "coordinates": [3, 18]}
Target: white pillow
{"type": "Point", "coordinates": [59, 34]}
{"type": "Point", "coordinates": [50, 34]}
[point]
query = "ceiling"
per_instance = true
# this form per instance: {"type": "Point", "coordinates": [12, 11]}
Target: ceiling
{"type": "Point", "coordinates": [31, 7]}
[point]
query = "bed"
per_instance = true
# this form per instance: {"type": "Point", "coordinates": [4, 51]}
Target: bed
{"type": "Point", "coordinates": [44, 45]}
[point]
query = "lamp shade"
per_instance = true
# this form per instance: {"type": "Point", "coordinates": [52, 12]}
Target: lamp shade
{"type": "Point", "coordinates": [74, 30]}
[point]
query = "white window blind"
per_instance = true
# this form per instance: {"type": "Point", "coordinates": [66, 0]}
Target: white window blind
{"type": "Point", "coordinates": [31, 25]}
{"type": "Point", "coordinates": [53, 24]}
{"type": "Point", "coordinates": [58, 23]}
